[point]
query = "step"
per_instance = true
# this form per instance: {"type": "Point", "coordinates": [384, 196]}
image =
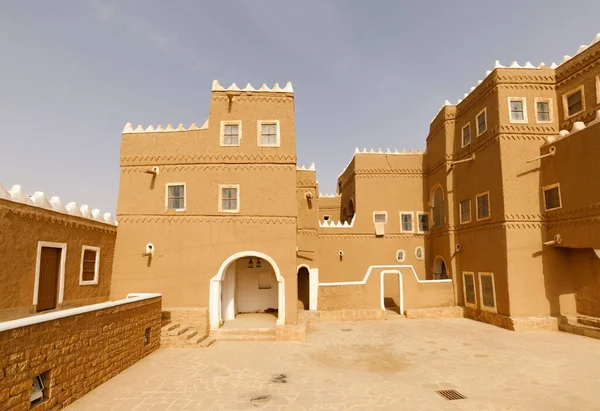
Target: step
{"type": "Point", "coordinates": [197, 339]}
{"type": "Point", "coordinates": [392, 315]}
{"type": "Point", "coordinates": [245, 334]}
{"type": "Point", "coordinates": [187, 335]}
{"type": "Point", "coordinates": [206, 342]}
{"type": "Point", "coordinates": [177, 331]}
{"type": "Point", "coordinates": [169, 327]}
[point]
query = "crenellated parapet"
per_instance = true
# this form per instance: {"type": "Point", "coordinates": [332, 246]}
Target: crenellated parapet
{"type": "Point", "coordinates": [128, 129]}
{"type": "Point", "coordinates": [39, 199]}
{"type": "Point", "coordinates": [264, 88]}
{"type": "Point", "coordinates": [577, 126]}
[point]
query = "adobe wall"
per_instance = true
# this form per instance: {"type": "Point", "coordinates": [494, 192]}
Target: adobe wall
{"type": "Point", "coordinates": [75, 353]}
{"type": "Point", "coordinates": [22, 226]}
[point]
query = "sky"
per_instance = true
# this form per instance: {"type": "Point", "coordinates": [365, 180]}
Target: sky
{"type": "Point", "coordinates": [365, 73]}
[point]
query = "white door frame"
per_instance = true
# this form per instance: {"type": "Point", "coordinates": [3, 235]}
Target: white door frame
{"type": "Point", "coordinates": [216, 285]}
{"type": "Point", "coordinates": [61, 281]}
{"type": "Point", "coordinates": [400, 289]}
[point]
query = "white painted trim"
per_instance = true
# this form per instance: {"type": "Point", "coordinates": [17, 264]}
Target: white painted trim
{"type": "Point", "coordinates": [493, 309]}
{"type": "Point", "coordinates": [259, 124]}
{"type": "Point", "coordinates": [487, 193]}
{"type": "Point", "coordinates": [380, 212]}
{"type": "Point", "coordinates": [96, 265]}
{"type": "Point", "coordinates": [565, 99]}
{"type": "Point", "coordinates": [63, 260]}
{"type": "Point", "coordinates": [522, 100]}
{"type": "Point", "coordinates": [597, 89]}
{"type": "Point", "coordinates": [216, 285]}
{"type": "Point", "coordinates": [460, 211]}
{"type": "Point", "coordinates": [314, 288]}
{"type": "Point", "coordinates": [550, 187]}
{"type": "Point", "coordinates": [420, 213]}
{"type": "Point", "coordinates": [221, 187]}
{"type": "Point", "coordinates": [55, 315]}
{"type": "Point", "coordinates": [467, 304]}
{"type": "Point", "coordinates": [422, 253]}
{"type": "Point", "coordinates": [484, 112]}
{"type": "Point", "coordinates": [167, 185]}
{"type": "Point", "coordinates": [403, 256]}
{"type": "Point", "coordinates": [400, 289]}
{"type": "Point", "coordinates": [375, 267]}
{"type": "Point", "coordinates": [412, 221]}
{"type": "Point", "coordinates": [548, 100]}
{"type": "Point", "coordinates": [462, 135]}
{"type": "Point", "coordinates": [222, 132]}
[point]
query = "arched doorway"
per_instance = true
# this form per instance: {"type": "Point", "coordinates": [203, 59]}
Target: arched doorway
{"type": "Point", "coordinates": [350, 211]}
{"type": "Point", "coordinates": [304, 287]}
{"type": "Point", "coordinates": [439, 269]}
{"type": "Point", "coordinates": [247, 282]}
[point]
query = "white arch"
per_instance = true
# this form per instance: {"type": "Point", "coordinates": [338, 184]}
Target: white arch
{"type": "Point", "coordinates": [217, 280]}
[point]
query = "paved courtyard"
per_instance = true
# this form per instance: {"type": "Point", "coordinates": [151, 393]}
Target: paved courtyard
{"type": "Point", "coordinates": [386, 365]}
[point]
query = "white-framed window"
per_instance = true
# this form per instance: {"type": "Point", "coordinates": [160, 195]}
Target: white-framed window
{"type": "Point", "coordinates": [543, 110]}
{"type": "Point", "coordinates": [487, 292]}
{"type": "Point", "coordinates": [552, 199]}
{"type": "Point", "coordinates": [268, 133]}
{"type": "Point", "coordinates": [481, 122]}
{"type": "Point", "coordinates": [406, 222]}
{"type": "Point", "coordinates": [175, 196]}
{"type": "Point", "coordinates": [465, 211]}
{"type": "Point", "coordinates": [380, 217]}
{"type": "Point", "coordinates": [423, 222]}
{"type": "Point", "coordinates": [400, 256]}
{"type": "Point", "coordinates": [466, 135]}
{"type": "Point", "coordinates": [469, 289]}
{"type": "Point", "coordinates": [231, 133]}
{"type": "Point", "coordinates": [419, 253]}
{"type": "Point", "coordinates": [483, 206]}
{"type": "Point", "coordinates": [574, 102]}
{"type": "Point", "coordinates": [90, 265]}
{"type": "Point", "coordinates": [517, 106]}
{"type": "Point", "coordinates": [229, 198]}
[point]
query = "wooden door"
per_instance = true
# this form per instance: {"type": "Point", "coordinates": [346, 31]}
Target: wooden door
{"type": "Point", "coordinates": [49, 272]}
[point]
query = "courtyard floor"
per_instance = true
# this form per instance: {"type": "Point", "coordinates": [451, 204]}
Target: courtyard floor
{"type": "Point", "coordinates": [383, 365]}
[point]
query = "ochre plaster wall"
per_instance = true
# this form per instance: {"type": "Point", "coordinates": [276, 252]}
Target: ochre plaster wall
{"type": "Point", "coordinates": [21, 228]}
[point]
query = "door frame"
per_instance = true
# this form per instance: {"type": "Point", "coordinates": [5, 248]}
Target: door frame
{"type": "Point", "coordinates": [61, 272]}
{"type": "Point", "coordinates": [400, 288]}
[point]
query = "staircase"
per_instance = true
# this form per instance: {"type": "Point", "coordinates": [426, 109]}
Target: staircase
{"type": "Point", "coordinates": [178, 335]}
{"type": "Point", "coordinates": [244, 334]}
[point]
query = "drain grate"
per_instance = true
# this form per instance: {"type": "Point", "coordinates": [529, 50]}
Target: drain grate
{"type": "Point", "coordinates": [346, 329]}
{"type": "Point", "coordinates": [451, 395]}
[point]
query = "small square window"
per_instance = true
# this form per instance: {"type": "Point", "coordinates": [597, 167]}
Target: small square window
{"type": "Point", "coordinates": [406, 222]}
{"type": "Point", "coordinates": [573, 102]}
{"type": "Point", "coordinates": [466, 135]}
{"type": "Point", "coordinates": [326, 218]}
{"type": "Point", "coordinates": [465, 211]}
{"type": "Point", "coordinates": [483, 206]}
{"type": "Point", "coordinates": [481, 122]}
{"type": "Point", "coordinates": [268, 131]}
{"type": "Point", "coordinates": [518, 109]}
{"type": "Point", "coordinates": [423, 222]}
{"type": "Point", "coordinates": [469, 289]}
{"type": "Point", "coordinates": [487, 291]}
{"type": "Point", "coordinates": [552, 200]}
{"type": "Point", "coordinates": [147, 336]}
{"type": "Point", "coordinates": [229, 198]}
{"type": "Point", "coordinates": [380, 217]}
{"type": "Point", "coordinates": [542, 110]}
{"type": "Point", "coordinates": [90, 265]}
{"type": "Point", "coordinates": [176, 196]}
{"type": "Point", "coordinates": [231, 133]}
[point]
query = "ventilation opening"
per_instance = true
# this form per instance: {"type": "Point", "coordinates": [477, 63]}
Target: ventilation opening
{"type": "Point", "coordinates": [147, 336]}
{"type": "Point", "coordinates": [39, 390]}
{"type": "Point", "coordinates": [451, 395]}
{"type": "Point", "coordinates": [346, 329]}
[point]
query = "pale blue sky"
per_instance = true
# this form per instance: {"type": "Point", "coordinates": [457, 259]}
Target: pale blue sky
{"type": "Point", "coordinates": [365, 73]}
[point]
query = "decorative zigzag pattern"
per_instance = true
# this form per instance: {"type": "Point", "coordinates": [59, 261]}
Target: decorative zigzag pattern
{"type": "Point", "coordinates": [211, 167]}
{"type": "Point", "coordinates": [207, 158]}
{"type": "Point", "coordinates": [334, 236]}
{"type": "Point", "coordinates": [254, 99]}
{"type": "Point", "coordinates": [306, 183]}
{"type": "Point", "coordinates": [577, 65]}
{"type": "Point", "coordinates": [205, 219]}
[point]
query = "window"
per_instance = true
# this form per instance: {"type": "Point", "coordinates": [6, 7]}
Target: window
{"type": "Point", "coordinates": [176, 196]}
{"type": "Point", "coordinates": [552, 200]}
{"type": "Point", "coordinates": [419, 253]}
{"type": "Point", "coordinates": [483, 206]}
{"type": "Point", "coordinates": [573, 102]}
{"type": "Point", "coordinates": [406, 222]}
{"type": "Point", "coordinates": [469, 289]}
{"type": "Point", "coordinates": [465, 211]}
{"type": "Point", "coordinates": [268, 133]}
{"type": "Point", "coordinates": [231, 133]}
{"type": "Point", "coordinates": [400, 256]}
{"type": "Point", "coordinates": [147, 336]}
{"type": "Point", "coordinates": [543, 110]}
{"type": "Point", "coordinates": [518, 109]}
{"type": "Point", "coordinates": [423, 222]}
{"type": "Point", "coordinates": [90, 265]}
{"type": "Point", "coordinates": [229, 201]}
{"type": "Point", "coordinates": [437, 207]}
{"type": "Point", "coordinates": [326, 218]}
{"type": "Point", "coordinates": [466, 135]}
{"type": "Point", "coordinates": [487, 291]}
{"type": "Point", "coordinates": [481, 122]}
{"type": "Point", "coordinates": [380, 217]}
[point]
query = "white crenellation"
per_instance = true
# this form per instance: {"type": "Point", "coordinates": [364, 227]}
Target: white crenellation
{"type": "Point", "coordinates": [276, 88]}
{"type": "Point", "coordinates": [85, 211]}
{"type": "Point", "coordinates": [39, 199]}
{"type": "Point", "coordinates": [338, 224]}
{"type": "Point", "coordinates": [97, 215]}
{"type": "Point", "coordinates": [577, 126]}
{"type": "Point", "coordinates": [18, 195]}
{"type": "Point", "coordinates": [387, 151]}
{"type": "Point", "coordinates": [3, 193]}
{"type": "Point", "coordinates": [73, 209]}
{"type": "Point", "coordinates": [57, 205]}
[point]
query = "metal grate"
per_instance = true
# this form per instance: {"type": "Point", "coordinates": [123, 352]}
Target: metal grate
{"type": "Point", "coordinates": [451, 395]}
{"type": "Point", "coordinates": [346, 329]}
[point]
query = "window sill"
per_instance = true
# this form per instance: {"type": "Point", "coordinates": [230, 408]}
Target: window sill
{"type": "Point", "coordinates": [484, 218]}
{"type": "Point", "coordinates": [88, 282]}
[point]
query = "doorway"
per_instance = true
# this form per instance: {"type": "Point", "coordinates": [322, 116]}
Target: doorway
{"type": "Point", "coordinates": [49, 272]}
{"type": "Point", "coordinates": [304, 288]}
{"type": "Point", "coordinates": [439, 269]}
